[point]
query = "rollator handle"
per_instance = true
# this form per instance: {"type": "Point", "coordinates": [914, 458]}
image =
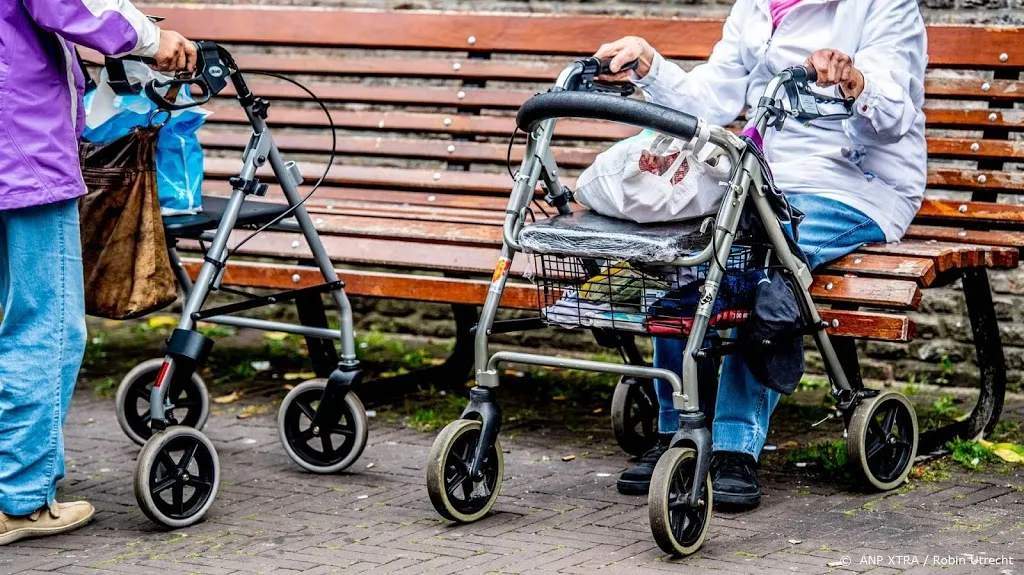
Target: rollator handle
{"type": "Point", "coordinates": [213, 68]}
{"type": "Point", "coordinates": [597, 106]}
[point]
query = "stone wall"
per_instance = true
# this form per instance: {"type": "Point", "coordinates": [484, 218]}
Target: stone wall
{"type": "Point", "coordinates": [943, 351]}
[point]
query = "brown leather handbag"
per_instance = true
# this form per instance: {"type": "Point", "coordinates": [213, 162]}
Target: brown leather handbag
{"type": "Point", "coordinates": [124, 252]}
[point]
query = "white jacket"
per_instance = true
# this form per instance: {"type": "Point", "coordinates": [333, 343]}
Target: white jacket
{"type": "Point", "coordinates": [876, 161]}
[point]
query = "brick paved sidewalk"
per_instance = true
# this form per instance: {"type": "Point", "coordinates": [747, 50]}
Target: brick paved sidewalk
{"type": "Point", "coordinates": [271, 517]}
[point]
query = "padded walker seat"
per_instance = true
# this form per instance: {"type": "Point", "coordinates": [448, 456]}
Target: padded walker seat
{"type": "Point", "coordinates": [253, 214]}
{"type": "Point", "coordinates": [590, 235]}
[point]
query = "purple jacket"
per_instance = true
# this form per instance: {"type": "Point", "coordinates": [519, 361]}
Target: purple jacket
{"type": "Point", "coordinates": [41, 87]}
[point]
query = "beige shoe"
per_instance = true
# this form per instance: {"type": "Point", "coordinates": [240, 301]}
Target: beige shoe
{"type": "Point", "coordinates": [60, 518]}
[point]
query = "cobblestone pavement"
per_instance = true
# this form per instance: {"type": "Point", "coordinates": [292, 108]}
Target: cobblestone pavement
{"type": "Point", "coordinates": [552, 515]}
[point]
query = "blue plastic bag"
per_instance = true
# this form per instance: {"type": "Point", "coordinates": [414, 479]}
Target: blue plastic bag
{"type": "Point", "coordinates": [179, 156]}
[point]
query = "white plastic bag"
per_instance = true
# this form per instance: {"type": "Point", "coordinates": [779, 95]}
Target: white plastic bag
{"type": "Point", "coordinates": [179, 156]}
{"type": "Point", "coordinates": [656, 178]}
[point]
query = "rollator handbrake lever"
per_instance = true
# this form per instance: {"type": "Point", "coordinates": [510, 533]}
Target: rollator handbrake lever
{"type": "Point", "coordinates": [594, 67]}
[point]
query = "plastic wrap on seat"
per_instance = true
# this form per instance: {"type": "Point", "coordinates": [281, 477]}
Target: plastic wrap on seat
{"type": "Point", "coordinates": [589, 235]}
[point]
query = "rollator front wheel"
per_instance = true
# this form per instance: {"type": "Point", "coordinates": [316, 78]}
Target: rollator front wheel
{"type": "Point", "coordinates": [176, 477]}
{"type": "Point", "coordinates": [635, 415]}
{"type": "Point", "coordinates": [679, 527]}
{"type": "Point", "coordinates": [454, 494]}
{"type": "Point", "coordinates": [328, 450]}
{"type": "Point", "coordinates": [882, 439]}
{"type": "Point", "coordinates": [190, 399]}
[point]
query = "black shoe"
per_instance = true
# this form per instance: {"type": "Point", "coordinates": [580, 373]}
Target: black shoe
{"type": "Point", "coordinates": [734, 481]}
{"type": "Point", "coordinates": [637, 481]}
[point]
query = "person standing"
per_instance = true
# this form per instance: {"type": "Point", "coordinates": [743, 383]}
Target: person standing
{"type": "Point", "coordinates": [42, 333]}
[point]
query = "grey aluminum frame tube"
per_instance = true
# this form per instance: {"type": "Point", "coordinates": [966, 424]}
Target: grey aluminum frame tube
{"type": "Point", "coordinates": [235, 321]}
{"type": "Point", "coordinates": [678, 399]}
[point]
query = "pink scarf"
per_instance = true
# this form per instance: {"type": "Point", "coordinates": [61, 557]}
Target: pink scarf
{"type": "Point", "coordinates": [779, 8]}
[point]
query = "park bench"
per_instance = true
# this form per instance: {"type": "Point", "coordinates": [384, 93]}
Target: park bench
{"type": "Point", "coordinates": [425, 102]}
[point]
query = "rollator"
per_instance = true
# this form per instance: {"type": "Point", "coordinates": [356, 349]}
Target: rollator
{"type": "Point", "coordinates": [163, 403]}
{"type": "Point", "coordinates": [578, 254]}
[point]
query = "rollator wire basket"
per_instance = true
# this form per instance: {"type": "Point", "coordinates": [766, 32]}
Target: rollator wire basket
{"type": "Point", "coordinates": [640, 298]}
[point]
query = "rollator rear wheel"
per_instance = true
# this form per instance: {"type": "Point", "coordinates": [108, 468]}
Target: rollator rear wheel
{"type": "Point", "coordinates": [190, 399]}
{"type": "Point", "coordinates": [635, 415]}
{"type": "Point", "coordinates": [678, 527]}
{"type": "Point", "coordinates": [454, 494]}
{"type": "Point", "coordinates": [321, 450]}
{"type": "Point", "coordinates": [882, 439]}
{"type": "Point", "coordinates": [176, 477]}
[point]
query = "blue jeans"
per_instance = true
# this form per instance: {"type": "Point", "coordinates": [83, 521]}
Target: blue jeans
{"type": "Point", "coordinates": [743, 407]}
{"type": "Point", "coordinates": [42, 341]}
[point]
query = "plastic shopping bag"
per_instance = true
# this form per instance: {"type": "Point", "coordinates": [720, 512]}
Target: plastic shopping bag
{"type": "Point", "coordinates": [652, 177]}
{"type": "Point", "coordinates": [179, 156]}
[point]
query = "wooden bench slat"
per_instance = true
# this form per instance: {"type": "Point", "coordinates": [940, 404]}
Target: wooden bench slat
{"type": "Point", "coordinates": [979, 119]}
{"type": "Point", "coordinates": [963, 148]}
{"type": "Point", "coordinates": [526, 33]}
{"type": "Point", "coordinates": [873, 292]}
{"type": "Point", "coordinates": [491, 152]}
{"type": "Point", "coordinates": [447, 180]}
{"type": "Point", "coordinates": [567, 129]}
{"type": "Point", "coordinates": [953, 234]}
{"type": "Point", "coordinates": [525, 71]}
{"type": "Point", "coordinates": [957, 211]}
{"type": "Point", "coordinates": [973, 88]}
{"type": "Point", "coordinates": [949, 256]}
{"type": "Point", "coordinates": [864, 325]}
{"type": "Point", "coordinates": [920, 270]}
{"type": "Point", "coordinates": [869, 325]}
{"type": "Point", "coordinates": [492, 98]}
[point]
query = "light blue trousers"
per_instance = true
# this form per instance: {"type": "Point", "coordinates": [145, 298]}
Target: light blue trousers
{"type": "Point", "coordinates": [743, 407]}
{"type": "Point", "coordinates": [42, 341]}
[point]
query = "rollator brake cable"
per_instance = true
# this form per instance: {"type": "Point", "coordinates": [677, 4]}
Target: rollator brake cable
{"type": "Point", "coordinates": [508, 165]}
{"type": "Point", "coordinates": [327, 169]}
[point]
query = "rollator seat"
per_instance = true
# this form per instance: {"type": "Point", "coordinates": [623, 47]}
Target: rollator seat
{"type": "Point", "coordinates": [591, 235]}
{"type": "Point", "coordinates": [191, 226]}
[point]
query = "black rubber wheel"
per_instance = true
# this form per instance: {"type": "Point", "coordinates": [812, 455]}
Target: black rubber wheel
{"type": "Point", "coordinates": [452, 492]}
{"type": "Point", "coordinates": [190, 399]}
{"type": "Point", "coordinates": [882, 439]}
{"type": "Point", "coordinates": [635, 416]}
{"type": "Point", "coordinates": [176, 477]}
{"type": "Point", "coordinates": [678, 528]}
{"type": "Point", "coordinates": [321, 451]}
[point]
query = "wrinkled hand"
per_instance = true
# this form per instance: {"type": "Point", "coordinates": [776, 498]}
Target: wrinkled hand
{"type": "Point", "coordinates": [175, 54]}
{"type": "Point", "coordinates": [834, 68]}
{"type": "Point", "coordinates": [624, 51]}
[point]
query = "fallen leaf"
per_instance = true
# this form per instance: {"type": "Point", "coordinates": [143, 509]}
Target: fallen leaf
{"type": "Point", "coordinates": [369, 466]}
{"type": "Point", "coordinates": [288, 387]}
{"type": "Point", "coordinates": [569, 457]}
{"type": "Point", "coordinates": [1008, 452]}
{"type": "Point", "coordinates": [598, 410]}
{"type": "Point", "coordinates": [230, 398]}
{"type": "Point", "coordinates": [162, 321]}
{"type": "Point", "coordinates": [545, 458]}
{"type": "Point", "coordinates": [789, 445]}
{"type": "Point", "coordinates": [299, 375]}
{"type": "Point", "coordinates": [251, 410]}
{"type": "Point", "coordinates": [275, 335]}
{"type": "Point", "coordinates": [558, 398]}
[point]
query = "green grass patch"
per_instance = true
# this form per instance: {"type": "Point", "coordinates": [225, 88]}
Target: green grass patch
{"type": "Point", "coordinates": [105, 387]}
{"type": "Point", "coordinates": [826, 455]}
{"type": "Point", "coordinates": [971, 455]}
